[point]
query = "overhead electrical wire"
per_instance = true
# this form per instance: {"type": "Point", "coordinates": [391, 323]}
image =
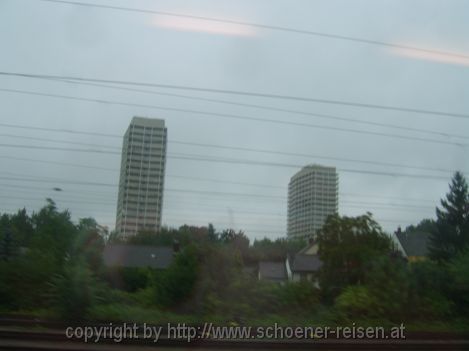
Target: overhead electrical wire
{"type": "Point", "coordinates": [231, 116]}
{"type": "Point", "coordinates": [350, 204]}
{"type": "Point", "coordinates": [260, 26]}
{"type": "Point", "coordinates": [114, 195]}
{"type": "Point", "coordinates": [195, 157]}
{"type": "Point", "coordinates": [202, 192]}
{"type": "Point", "coordinates": [235, 148]}
{"type": "Point", "coordinates": [13, 211]}
{"type": "Point", "coordinates": [246, 93]}
{"type": "Point", "coordinates": [268, 108]}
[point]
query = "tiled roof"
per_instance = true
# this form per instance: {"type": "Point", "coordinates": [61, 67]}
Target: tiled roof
{"type": "Point", "coordinates": [137, 256]}
{"type": "Point", "coordinates": [272, 270]}
{"type": "Point", "coordinates": [414, 244]}
{"type": "Point", "coordinates": [306, 263]}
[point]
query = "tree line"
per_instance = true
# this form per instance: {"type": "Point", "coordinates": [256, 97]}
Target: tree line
{"type": "Point", "coordinates": [53, 267]}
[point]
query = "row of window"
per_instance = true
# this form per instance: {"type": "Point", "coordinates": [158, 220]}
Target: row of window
{"type": "Point", "coordinates": [137, 153]}
{"type": "Point", "coordinates": [144, 175]}
{"type": "Point", "coordinates": [132, 190]}
{"type": "Point", "coordinates": [147, 137]}
{"type": "Point", "coordinates": [146, 128]}
{"type": "Point", "coordinates": [157, 165]}
{"type": "Point", "coordinates": [145, 204]}
{"type": "Point", "coordinates": [147, 147]}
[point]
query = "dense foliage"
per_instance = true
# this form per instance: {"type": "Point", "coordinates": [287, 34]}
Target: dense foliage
{"type": "Point", "coordinates": [50, 265]}
{"type": "Point", "coordinates": [451, 236]}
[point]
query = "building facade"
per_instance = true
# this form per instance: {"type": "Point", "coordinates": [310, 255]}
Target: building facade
{"type": "Point", "coordinates": [312, 197]}
{"type": "Point", "coordinates": [141, 183]}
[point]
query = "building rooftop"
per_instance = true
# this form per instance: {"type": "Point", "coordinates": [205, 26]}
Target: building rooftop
{"type": "Point", "coordinates": [148, 122]}
{"type": "Point", "coordinates": [312, 168]}
{"type": "Point", "coordinates": [306, 263]}
{"type": "Point", "coordinates": [414, 244]}
{"type": "Point", "coordinates": [137, 256]}
{"type": "Point", "coordinates": [275, 271]}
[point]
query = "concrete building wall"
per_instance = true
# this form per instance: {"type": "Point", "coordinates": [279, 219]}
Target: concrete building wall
{"type": "Point", "coordinates": [141, 183]}
{"type": "Point", "coordinates": [312, 197]}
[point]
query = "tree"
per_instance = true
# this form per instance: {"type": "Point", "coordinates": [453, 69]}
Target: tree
{"type": "Point", "coordinates": [425, 225]}
{"type": "Point", "coordinates": [176, 283]}
{"type": "Point", "coordinates": [151, 238]}
{"type": "Point", "coordinates": [431, 285]}
{"type": "Point", "coordinates": [8, 247]}
{"type": "Point", "coordinates": [452, 227]}
{"type": "Point", "coordinates": [54, 233]}
{"type": "Point", "coordinates": [347, 246]}
{"type": "Point", "coordinates": [237, 240]}
{"type": "Point", "coordinates": [275, 250]}
{"type": "Point", "coordinates": [459, 272]}
{"type": "Point", "coordinates": [16, 231]}
{"type": "Point", "coordinates": [211, 233]}
{"type": "Point", "coordinates": [22, 227]}
{"type": "Point", "coordinates": [88, 243]}
{"type": "Point", "coordinates": [74, 291]}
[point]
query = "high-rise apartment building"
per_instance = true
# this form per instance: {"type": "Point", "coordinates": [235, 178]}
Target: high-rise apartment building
{"type": "Point", "coordinates": [141, 183]}
{"type": "Point", "coordinates": [312, 197]}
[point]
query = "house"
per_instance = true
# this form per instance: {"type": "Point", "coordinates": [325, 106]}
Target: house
{"type": "Point", "coordinates": [304, 265]}
{"type": "Point", "coordinates": [273, 271]}
{"type": "Point", "coordinates": [414, 246]}
{"type": "Point", "coordinates": [138, 256]}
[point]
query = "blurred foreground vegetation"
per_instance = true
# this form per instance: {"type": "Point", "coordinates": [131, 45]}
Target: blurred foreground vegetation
{"type": "Point", "coordinates": [52, 267]}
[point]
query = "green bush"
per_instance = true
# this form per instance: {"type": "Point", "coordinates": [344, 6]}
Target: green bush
{"type": "Point", "coordinates": [459, 272]}
{"type": "Point", "coordinates": [356, 300]}
{"type": "Point", "coordinates": [74, 291]}
{"type": "Point", "coordinates": [302, 296]}
{"type": "Point", "coordinates": [431, 284]}
{"type": "Point", "coordinates": [177, 283]}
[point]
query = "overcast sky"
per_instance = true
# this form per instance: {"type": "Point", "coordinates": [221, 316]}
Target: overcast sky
{"type": "Point", "coordinates": [58, 39]}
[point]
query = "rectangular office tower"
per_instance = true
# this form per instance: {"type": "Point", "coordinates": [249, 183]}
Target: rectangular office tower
{"type": "Point", "coordinates": [141, 183]}
{"type": "Point", "coordinates": [312, 197]}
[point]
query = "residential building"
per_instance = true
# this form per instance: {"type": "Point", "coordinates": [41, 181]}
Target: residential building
{"type": "Point", "coordinates": [312, 197]}
{"type": "Point", "coordinates": [141, 184]}
{"type": "Point", "coordinates": [305, 265]}
{"type": "Point", "coordinates": [414, 246]}
{"type": "Point", "coordinates": [272, 271]}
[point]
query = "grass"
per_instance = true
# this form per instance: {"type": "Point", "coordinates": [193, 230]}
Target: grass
{"type": "Point", "coordinates": [136, 314]}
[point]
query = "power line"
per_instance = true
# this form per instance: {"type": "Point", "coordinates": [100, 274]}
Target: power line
{"type": "Point", "coordinates": [230, 116]}
{"type": "Point", "coordinates": [58, 141]}
{"type": "Point", "coordinates": [285, 153]}
{"type": "Point", "coordinates": [57, 163]}
{"type": "Point", "coordinates": [13, 211]}
{"type": "Point", "coordinates": [216, 193]}
{"type": "Point", "coordinates": [247, 93]}
{"type": "Point", "coordinates": [235, 148]}
{"type": "Point", "coordinates": [269, 108]}
{"type": "Point", "coordinates": [60, 130]}
{"type": "Point", "coordinates": [192, 157]}
{"type": "Point", "coordinates": [348, 204]}
{"type": "Point", "coordinates": [261, 26]}
{"type": "Point", "coordinates": [106, 195]}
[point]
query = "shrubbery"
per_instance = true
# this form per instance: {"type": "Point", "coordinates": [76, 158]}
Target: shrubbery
{"type": "Point", "coordinates": [48, 262]}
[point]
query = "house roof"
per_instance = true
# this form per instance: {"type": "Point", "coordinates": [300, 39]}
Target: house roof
{"type": "Point", "coordinates": [310, 249]}
{"type": "Point", "coordinates": [272, 270]}
{"type": "Point", "coordinates": [306, 263]}
{"type": "Point", "coordinates": [414, 244]}
{"type": "Point", "coordinates": [137, 256]}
